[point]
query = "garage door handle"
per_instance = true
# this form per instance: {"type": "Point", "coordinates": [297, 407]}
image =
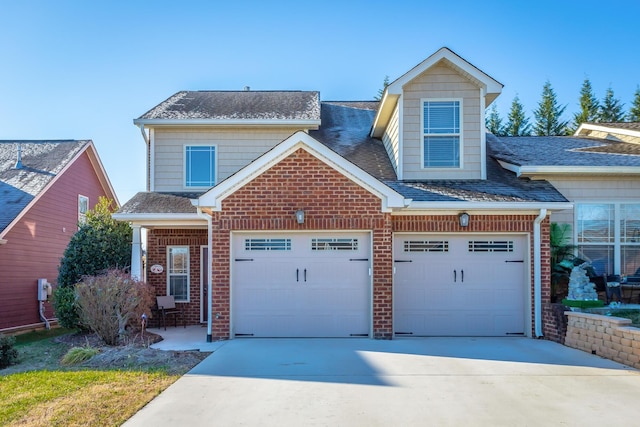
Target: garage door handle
{"type": "Point", "coordinates": [305, 274]}
{"type": "Point", "coordinates": [462, 274]}
{"type": "Point", "coordinates": [297, 274]}
{"type": "Point", "coordinates": [455, 275]}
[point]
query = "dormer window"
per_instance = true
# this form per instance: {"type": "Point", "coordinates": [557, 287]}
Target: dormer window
{"type": "Point", "coordinates": [200, 166]}
{"type": "Point", "coordinates": [442, 130]}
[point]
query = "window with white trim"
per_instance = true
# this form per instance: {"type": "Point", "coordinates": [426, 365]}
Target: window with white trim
{"type": "Point", "coordinates": [178, 272]}
{"type": "Point", "coordinates": [83, 208]}
{"type": "Point", "coordinates": [608, 235]}
{"type": "Point", "coordinates": [200, 166]}
{"type": "Point", "coordinates": [441, 132]}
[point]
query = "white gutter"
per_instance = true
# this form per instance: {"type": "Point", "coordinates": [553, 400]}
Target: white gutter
{"type": "Point", "coordinates": [537, 273]}
{"type": "Point", "coordinates": [483, 206]}
{"type": "Point", "coordinates": [144, 134]}
{"type": "Point", "coordinates": [227, 122]}
{"type": "Point", "coordinates": [525, 171]}
{"type": "Point", "coordinates": [209, 284]}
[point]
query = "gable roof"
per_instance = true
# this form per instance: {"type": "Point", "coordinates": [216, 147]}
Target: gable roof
{"type": "Point", "coordinates": [491, 87]}
{"type": "Point", "coordinates": [42, 163]}
{"type": "Point", "coordinates": [236, 108]}
{"type": "Point", "coordinates": [300, 140]}
{"type": "Point", "coordinates": [535, 155]}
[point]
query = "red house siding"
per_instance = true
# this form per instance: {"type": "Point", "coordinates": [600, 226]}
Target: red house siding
{"type": "Point", "coordinates": [37, 242]}
{"type": "Point", "coordinates": [331, 202]}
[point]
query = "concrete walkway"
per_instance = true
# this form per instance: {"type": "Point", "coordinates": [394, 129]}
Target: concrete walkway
{"type": "Point", "coordinates": [404, 382]}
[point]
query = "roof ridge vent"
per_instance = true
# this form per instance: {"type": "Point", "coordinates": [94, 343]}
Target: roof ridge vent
{"type": "Point", "coordinates": [19, 160]}
{"type": "Point", "coordinates": [247, 88]}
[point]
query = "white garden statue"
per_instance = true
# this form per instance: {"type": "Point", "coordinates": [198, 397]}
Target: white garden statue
{"type": "Point", "coordinates": [580, 288]}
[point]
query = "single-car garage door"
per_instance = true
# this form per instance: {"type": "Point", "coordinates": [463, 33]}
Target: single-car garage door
{"type": "Point", "coordinates": [301, 284]}
{"type": "Point", "coordinates": [459, 285]}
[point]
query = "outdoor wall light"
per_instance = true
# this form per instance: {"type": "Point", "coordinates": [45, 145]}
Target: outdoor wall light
{"type": "Point", "coordinates": [300, 216]}
{"type": "Point", "coordinates": [464, 219]}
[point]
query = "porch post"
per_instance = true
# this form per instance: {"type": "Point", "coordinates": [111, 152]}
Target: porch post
{"type": "Point", "coordinates": [136, 253]}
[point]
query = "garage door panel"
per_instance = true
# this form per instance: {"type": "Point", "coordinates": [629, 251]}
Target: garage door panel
{"type": "Point", "coordinates": [312, 286]}
{"type": "Point", "coordinates": [459, 284]}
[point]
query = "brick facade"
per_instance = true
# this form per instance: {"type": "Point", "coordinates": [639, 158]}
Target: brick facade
{"type": "Point", "coordinates": [331, 202]}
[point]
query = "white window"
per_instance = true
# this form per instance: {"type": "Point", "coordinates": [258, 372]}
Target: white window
{"type": "Point", "coordinates": [83, 207]}
{"type": "Point", "coordinates": [608, 235]}
{"type": "Point", "coordinates": [200, 166]}
{"type": "Point", "coordinates": [178, 272]}
{"type": "Point", "coordinates": [441, 131]}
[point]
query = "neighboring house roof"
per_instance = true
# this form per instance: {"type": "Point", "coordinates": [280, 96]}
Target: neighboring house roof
{"type": "Point", "coordinates": [42, 162]}
{"type": "Point", "coordinates": [625, 131]}
{"type": "Point", "coordinates": [236, 107]}
{"type": "Point", "coordinates": [565, 154]}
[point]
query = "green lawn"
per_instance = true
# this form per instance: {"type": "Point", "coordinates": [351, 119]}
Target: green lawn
{"type": "Point", "coordinates": [41, 392]}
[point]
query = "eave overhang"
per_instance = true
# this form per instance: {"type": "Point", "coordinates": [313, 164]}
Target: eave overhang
{"type": "Point", "coordinates": [481, 208]}
{"type": "Point", "coordinates": [541, 172]}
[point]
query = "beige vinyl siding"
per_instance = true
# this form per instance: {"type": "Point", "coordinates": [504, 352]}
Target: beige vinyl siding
{"type": "Point", "coordinates": [391, 139]}
{"type": "Point", "coordinates": [596, 189]}
{"type": "Point", "coordinates": [441, 82]}
{"type": "Point", "coordinates": [235, 148]}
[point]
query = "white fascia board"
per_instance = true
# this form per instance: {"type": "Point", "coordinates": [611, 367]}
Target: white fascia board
{"type": "Point", "coordinates": [584, 127]}
{"type": "Point", "coordinates": [227, 122]}
{"type": "Point", "coordinates": [482, 207]}
{"type": "Point", "coordinates": [214, 197]}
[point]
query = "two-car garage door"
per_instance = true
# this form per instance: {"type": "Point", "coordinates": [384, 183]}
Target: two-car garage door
{"type": "Point", "coordinates": [459, 285]}
{"type": "Point", "coordinates": [301, 284]}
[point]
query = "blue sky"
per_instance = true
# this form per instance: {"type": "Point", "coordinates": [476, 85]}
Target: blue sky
{"type": "Point", "coordinates": [86, 69]}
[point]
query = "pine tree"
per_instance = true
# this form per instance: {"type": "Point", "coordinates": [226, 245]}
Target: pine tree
{"type": "Point", "coordinates": [493, 122]}
{"type": "Point", "coordinates": [589, 106]}
{"type": "Point", "coordinates": [385, 83]}
{"type": "Point", "coordinates": [611, 109]}
{"type": "Point", "coordinates": [549, 114]}
{"type": "Point", "coordinates": [517, 122]}
{"type": "Point", "coordinates": [634, 111]}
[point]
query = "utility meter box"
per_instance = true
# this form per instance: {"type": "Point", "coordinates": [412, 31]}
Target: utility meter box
{"type": "Point", "coordinates": [44, 290]}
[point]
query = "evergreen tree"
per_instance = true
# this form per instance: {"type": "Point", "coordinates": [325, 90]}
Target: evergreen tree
{"type": "Point", "coordinates": [517, 122]}
{"type": "Point", "coordinates": [385, 83]}
{"type": "Point", "coordinates": [493, 122]}
{"type": "Point", "coordinates": [549, 114]}
{"type": "Point", "coordinates": [589, 106]}
{"type": "Point", "coordinates": [611, 109]}
{"type": "Point", "coordinates": [634, 111]}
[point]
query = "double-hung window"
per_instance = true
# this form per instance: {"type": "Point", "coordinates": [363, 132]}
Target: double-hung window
{"type": "Point", "coordinates": [200, 166]}
{"type": "Point", "coordinates": [441, 132]}
{"type": "Point", "coordinates": [178, 272]}
{"type": "Point", "coordinates": [83, 208]}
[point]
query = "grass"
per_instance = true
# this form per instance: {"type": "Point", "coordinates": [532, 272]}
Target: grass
{"type": "Point", "coordinates": [77, 398]}
{"type": "Point", "coordinates": [50, 394]}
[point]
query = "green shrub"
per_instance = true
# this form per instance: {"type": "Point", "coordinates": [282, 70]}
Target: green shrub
{"type": "Point", "coordinates": [77, 355]}
{"type": "Point", "coordinates": [65, 306]}
{"type": "Point", "coordinates": [107, 304]}
{"type": "Point", "coordinates": [8, 354]}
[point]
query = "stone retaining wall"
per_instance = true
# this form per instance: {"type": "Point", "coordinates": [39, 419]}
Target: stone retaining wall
{"type": "Point", "coordinates": [607, 336]}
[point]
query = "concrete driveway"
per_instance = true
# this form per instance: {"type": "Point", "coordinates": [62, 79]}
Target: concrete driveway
{"type": "Point", "coordinates": [404, 382]}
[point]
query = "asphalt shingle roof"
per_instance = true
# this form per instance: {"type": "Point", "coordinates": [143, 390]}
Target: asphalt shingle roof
{"type": "Point", "coordinates": [238, 105]}
{"type": "Point", "coordinates": [150, 202]}
{"type": "Point", "coordinates": [563, 151]}
{"type": "Point", "coordinates": [42, 161]}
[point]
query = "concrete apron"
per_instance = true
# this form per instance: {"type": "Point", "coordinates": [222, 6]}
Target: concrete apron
{"type": "Point", "coordinates": [404, 382]}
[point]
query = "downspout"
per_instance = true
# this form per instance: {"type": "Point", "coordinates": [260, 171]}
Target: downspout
{"type": "Point", "coordinates": [209, 285]}
{"type": "Point", "coordinates": [537, 273]}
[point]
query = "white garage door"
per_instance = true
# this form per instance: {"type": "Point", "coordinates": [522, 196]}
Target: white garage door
{"type": "Point", "coordinates": [452, 285]}
{"type": "Point", "coordinates": [301, 284]}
